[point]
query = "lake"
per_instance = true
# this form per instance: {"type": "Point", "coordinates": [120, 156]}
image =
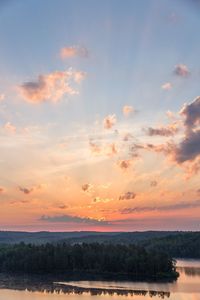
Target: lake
{"type": "Point", "coordinates": [187, 287]}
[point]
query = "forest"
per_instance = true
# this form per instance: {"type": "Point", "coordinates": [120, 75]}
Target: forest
{"type": "Point", "coordinates": [182, 245]}
{"type": "Point", "coordinates": [61, 258]}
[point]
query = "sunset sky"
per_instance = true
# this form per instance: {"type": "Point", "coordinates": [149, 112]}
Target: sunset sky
{"type": "Point", "coordinates": [99, 115]}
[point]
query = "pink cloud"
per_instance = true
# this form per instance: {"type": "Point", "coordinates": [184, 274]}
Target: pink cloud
{"type": "Point", "coordinates": [109, 121]}
{"type": "Point", "coordinates": [73, 51]}
{"type": "Point", "coordinates": [51, 87]}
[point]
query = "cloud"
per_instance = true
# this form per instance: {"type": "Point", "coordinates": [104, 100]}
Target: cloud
{"type": "Point", "coordinates": [62, 206]}
{"type": "Point", "coordinates": [10, 128]}
{"type": "Point", "coordinates": [74, 51]}
{"type": "Point", "coordinates": [2, 190]}
{"type": "Point", "coordinates": [189, 148]}
{"type": "Point", "coordinates": [127, 110]}
{"type": "Point", "coordinates": [181, 70]}
{"type": "Point", "coordinates": [169, 130]}
{"type": "Point", "coordinates": [87, 187]}
{"type": "Point", "coordinates": [72, 219]}
{"type": "Point", "coordinates": [124, 164]}
{"type": "Point", "coordinates": [109, 121]}
{"type": "Point", "coordinates": [127, 196]}
{"type": "Point", "coordinates": [51, 87]}
{"type": "Point", "coordinates": [191, 112]}
{"type": "Point", "coordinates": [25, 190]}
{"type": "Point", "coordinates": [153, 183]}
{"type": "Point", "coordinates": [169, 207]}
{"type": "Point", "coordinates": [111, 149]}
{"type": "Point", "coordinates": [185, 153]}
{"type": "Point", "coordinates": [102, 200]}
{"type": "Point", "coordinates": [167, 86]}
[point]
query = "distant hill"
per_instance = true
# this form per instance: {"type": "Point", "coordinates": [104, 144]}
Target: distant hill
{"type": "Point", "coordinates": [43, 237]}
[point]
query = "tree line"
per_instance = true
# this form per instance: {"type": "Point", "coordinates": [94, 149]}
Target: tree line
{"type": "Point", "coordinates": [136, 261]}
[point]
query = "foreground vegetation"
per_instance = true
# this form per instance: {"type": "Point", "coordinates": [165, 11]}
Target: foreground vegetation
{"type": "Point", "coordinates": [131, 260]}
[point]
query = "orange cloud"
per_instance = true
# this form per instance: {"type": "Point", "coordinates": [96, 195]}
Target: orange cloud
{"type": "Point", "coordinates": [26, 191]}
{"type": "Point", "coordinates": [127, 110]}
{"type": "Point", "coordinates": [73, 51]}
{"type": "Point", "coordinates": [51, 87]}
{"type": "Point", "coordinates": [109, 121]}
{"type": "Point", "coordinates": [124, 164]}
{"type": "Point", "coordinates": [2, 190]}
{"type": "Point", "coordinates": [87, 187]}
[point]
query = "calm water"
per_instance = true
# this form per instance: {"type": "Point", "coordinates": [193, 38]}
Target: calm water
{"type": "Point", "coordinates": [187, 287]}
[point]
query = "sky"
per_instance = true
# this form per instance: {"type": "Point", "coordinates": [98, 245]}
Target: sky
{"type": "Point", "coordinates": [99, 115]}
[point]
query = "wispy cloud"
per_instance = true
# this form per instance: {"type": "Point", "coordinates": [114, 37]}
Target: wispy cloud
{"type": "Point", "coordinates": [169, 207]}
{"type": "Point", "coordinates": [169, 130]}
{"type": "Point", "coordinates": [10, 127]}
{"type": "Point", "coordinates": [72, 219]}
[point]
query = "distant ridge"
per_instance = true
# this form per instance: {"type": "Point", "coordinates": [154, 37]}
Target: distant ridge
{"type": "Point", "coordinates": [42, 237]}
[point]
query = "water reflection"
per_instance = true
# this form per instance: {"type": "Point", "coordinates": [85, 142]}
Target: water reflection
{"type": "Point", "coordinates": [31, 285]}
{"type": "Point", "coordinates": [187, 287]}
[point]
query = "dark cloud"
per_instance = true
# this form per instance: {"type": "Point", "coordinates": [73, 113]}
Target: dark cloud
{"type": "Point", "coordinates": [153, 183]}
{"type": "Point", "coordinates": [25, 190]}
{"type": "Point", "coordinates": [181, 70]}
{"type": "Point", "coordinates": [124, 164]}
{"type": "Point", "coordinates": [127, 196]}
{"type": "Point", "coordinates": [191, 112]}
{"type": "Point", "coordinates": [189, 148]}
{"type": "Point", "coordinates": [72, 219]}
{"type": "Point", "coordinates": [162, 131]}
{"type": "Point", "coordinates": [86, 187]}
{"type": "Point", "coordinates": [169, 207]}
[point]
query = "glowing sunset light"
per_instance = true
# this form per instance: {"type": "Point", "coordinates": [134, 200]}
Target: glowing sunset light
{"type": "Point", "coordinates": [99, 115]}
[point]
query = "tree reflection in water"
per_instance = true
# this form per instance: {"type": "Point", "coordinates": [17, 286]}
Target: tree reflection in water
{"type": "Point", "coordinates": [36, 285]}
